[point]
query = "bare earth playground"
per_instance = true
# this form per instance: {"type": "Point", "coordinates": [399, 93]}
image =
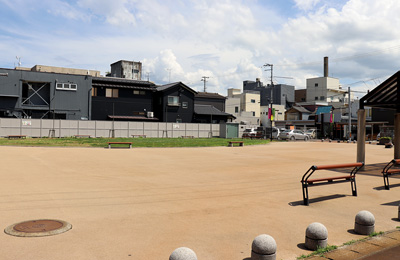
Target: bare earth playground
{"type": "Point", "coordinates": [143, 203]}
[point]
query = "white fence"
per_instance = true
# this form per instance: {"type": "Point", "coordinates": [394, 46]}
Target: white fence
{"type": "Point", "coordinates": [68, 128]}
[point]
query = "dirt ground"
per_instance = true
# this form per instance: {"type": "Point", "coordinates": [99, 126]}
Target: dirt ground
{"type": "Point", "coordinates": [143, 203]}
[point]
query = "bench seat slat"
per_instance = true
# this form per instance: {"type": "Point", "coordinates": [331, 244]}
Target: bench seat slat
{"type": "Point", "coordinates": [393, 171]}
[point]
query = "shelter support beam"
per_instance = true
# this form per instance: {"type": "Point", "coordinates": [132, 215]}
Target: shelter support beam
{"type": "Point", "coordinates": [361, 115]}
{"type": "Point", "coordinates": [396, 140]}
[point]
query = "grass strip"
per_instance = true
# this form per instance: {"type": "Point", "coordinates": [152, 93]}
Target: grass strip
{"type": "Point", "coordinates": [136, 142]}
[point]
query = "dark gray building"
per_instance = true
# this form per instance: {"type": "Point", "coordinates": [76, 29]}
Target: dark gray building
{"type": "Point", "coordinates": [282, 94]}
{"type": "Point", "coordinates": [29, 94]}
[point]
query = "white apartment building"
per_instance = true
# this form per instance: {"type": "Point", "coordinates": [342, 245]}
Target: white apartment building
{"type": "Point", "coordinates": [244, 106]}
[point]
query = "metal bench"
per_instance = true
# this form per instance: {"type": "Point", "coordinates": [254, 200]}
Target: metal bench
{"type": "Point", "coordinates": [111, 143]}
{"type": "Point", "coordinates": [139, 136]}
{"type": "Point", "coordinates": [351, 177]}
{"type": "Point", "coordinates": [188, 136]}
{"type": "Point", "coordinates": [388, 170]}
{"type": "Point", "coordinates": [16, 136]}
{"type": "Point", "coordinates": [231, 143]}
{"type": "Point", "coordinates": [82, 136]}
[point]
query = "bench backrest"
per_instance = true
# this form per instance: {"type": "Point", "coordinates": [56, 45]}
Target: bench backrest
{"type": "Point", "coordinates": [336, 166]}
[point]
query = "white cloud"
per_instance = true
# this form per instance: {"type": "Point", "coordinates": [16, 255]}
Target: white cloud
{"type": "Point", "coordinates": [306, 5]}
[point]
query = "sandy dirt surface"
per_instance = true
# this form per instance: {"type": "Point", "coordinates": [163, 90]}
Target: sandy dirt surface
{"type": "Point", "coordinates": [143, 203]}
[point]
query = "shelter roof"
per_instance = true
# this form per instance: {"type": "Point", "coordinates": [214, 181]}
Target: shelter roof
{"type": "Point", "coordinates": [385, 95]}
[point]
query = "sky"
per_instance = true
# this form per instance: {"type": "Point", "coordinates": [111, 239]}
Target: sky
{"type": "Point", "coordinates": [228, 41]}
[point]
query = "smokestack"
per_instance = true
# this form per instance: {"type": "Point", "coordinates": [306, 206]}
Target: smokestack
{"type": "Point", "coordinates": [326, 67]}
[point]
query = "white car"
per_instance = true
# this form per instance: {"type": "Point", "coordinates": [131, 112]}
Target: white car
{"type": "Point", "coordinates": [293, 135]}
{"type": "Point", "coordinates": [311, 133]}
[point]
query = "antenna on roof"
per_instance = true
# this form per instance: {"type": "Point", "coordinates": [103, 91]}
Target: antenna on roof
{"type": "Point", "coordinates": [19, 60]}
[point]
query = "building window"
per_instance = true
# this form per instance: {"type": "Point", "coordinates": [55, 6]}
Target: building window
{"type": "Point", "coordinates": [173, 101]}
{"type": "Point", "coordinates": [316, 98]}
{"type": "Point", "coordinates": [236, 109]}
{"type": "Point", "coordinates": [66, 86]}
{"type": "Point", "coordinates": [316, 84]}
{"type": "Point", "coordinates": [178, 120]}
{"type": "Point", "coordinates": [322, 98]}
{"type": "Point", "coordinates": [139, 92]}
{"type": "Point", "coordinates": [253, 101]}
{"type": "Point", "coordinates": [254, 113]}
{"type": "Point", "coordinates": [184, 104]}
{"type": "Point", "coordinates": [112, 92]}
{"type": "Point", "coordinates": [94, 92]}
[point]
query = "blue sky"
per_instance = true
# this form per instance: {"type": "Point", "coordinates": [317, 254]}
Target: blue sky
{"type": "Point", "coordinates": [226, 40]}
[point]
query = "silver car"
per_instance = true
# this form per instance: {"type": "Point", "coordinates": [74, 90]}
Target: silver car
{"type": "Point", "coordinates": [293, 135]}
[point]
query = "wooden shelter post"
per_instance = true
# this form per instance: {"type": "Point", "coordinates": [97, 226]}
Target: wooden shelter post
{"type": "Point", "coordinates": [361, 122]}
{"type": "Point", "coordinates": [396, 140]}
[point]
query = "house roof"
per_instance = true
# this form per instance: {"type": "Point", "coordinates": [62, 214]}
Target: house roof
{"type": "Point", "coordinates": [209, 110]}
{"type": "Point", "coordinates": [323, 110]}
{"type": "Point", "coordinates": [171, 85]}
{"type": "Point", "coordinates": [209, 95]}
{"type": "Point", "coordinates": [385, 95]}
{"type": "Point", "coordinates": [122, 83]}
{"type": "Point", "coordinates": [301, 109]}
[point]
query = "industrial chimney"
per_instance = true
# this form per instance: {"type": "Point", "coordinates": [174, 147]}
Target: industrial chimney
{"type": "Point", "coordinates": [326, 67]}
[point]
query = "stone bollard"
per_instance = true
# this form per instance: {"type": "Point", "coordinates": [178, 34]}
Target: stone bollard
{"type": "Point", "coordinates": [263, 248]}
{"type": "Point", "coordinates": [364, 223]}
{"type": "Point", "coordinates": [399, 213]}
{"type": "Point", "coordinates": [316, 236]}
{"type": "Point", "coordinates": [183, 253]}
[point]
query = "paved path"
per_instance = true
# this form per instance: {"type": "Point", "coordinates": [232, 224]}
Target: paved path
{"type": "Point", "coordinates": [142, 203]}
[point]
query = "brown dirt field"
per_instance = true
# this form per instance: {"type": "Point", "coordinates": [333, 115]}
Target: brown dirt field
{"type": "Point", "coordinates": [142, 203]}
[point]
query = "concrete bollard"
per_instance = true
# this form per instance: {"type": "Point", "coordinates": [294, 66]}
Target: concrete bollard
{"type": "Point", "coordinates": [263, 248]}
{"type": "Point", "coordinates": [183, 253]}
{"type": "Point", "coordinates": [399, 213]}
{"type": "Point", "coordinates": [364, 223]}
{"type": "Point", "coordinates": [316, 236]}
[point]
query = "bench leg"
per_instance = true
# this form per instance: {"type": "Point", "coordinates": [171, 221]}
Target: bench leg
{"type": "Point", "coordinates": [386, 181]}
{"type": "Point", "coordinates": [230, 145]}
{"type": "Point", "coordinates": [109, 146]}
{"type": "Point", "coordinates": [305, 194]}
{"type": "Point", "coordinates": [130, 146]}
{"type": "Point", "coordinates": [354, 187]}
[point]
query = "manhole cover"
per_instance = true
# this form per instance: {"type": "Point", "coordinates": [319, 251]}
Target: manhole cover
{"type": "Point", "coordinates": [38, 228]}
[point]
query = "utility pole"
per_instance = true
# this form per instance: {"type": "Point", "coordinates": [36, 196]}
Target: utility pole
{"type": "Point", "coordinates": [204, 78]}
{"type": "Point", "coordinates": [148, 76]}
{"type": "Point", "coordinates": [169, 73]}
{"type": "Point", "coordinates": [271, 68]}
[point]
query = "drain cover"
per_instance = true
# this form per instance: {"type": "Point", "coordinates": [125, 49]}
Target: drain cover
{"type": "Point", "coordinates": [38, 228]}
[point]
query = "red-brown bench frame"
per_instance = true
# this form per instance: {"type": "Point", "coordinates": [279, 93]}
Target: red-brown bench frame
{"type": "Point", "coordinates": [388, 170]}
{"type": "Point", "coordinates": [306, 182]}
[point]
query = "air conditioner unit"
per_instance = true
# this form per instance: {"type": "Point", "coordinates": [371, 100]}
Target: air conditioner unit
{"type": "Point", "coordinates": [150, 114]}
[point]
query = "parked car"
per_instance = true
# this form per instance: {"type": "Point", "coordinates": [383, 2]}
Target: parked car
{"type": "Point", "coordinates": [249, 132]}
{"type": "Point", "coordinates": [293, 135]}
{"type": "Point", "coordinates": [312, 133]}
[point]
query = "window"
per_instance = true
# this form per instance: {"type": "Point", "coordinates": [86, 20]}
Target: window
{"type": "Point", "coordinates": [112, 92]}
{"type": "Point", "coordinates": [139, 92]}
{"type": "Point", "coordinates": [316, 84]}
{"type": "Point", "coordinates": [236, 109]}
{"type": "Point", "coordinates": [254, 113]}
{"type": "Point", "coordinates": [173, 101]}
{"type": "Point", "coordinates": [184, 104]}
{"type": "Point", "coordinates": [253, 101]}
{"type": "Point", "coordinates": [66, 86]}
{"type": "Point", "coordinates": [322, 98]}
{"type": "Point", "coordinates": [316, 98]}
{"type": "Point", "coordinates": [94, 92]}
